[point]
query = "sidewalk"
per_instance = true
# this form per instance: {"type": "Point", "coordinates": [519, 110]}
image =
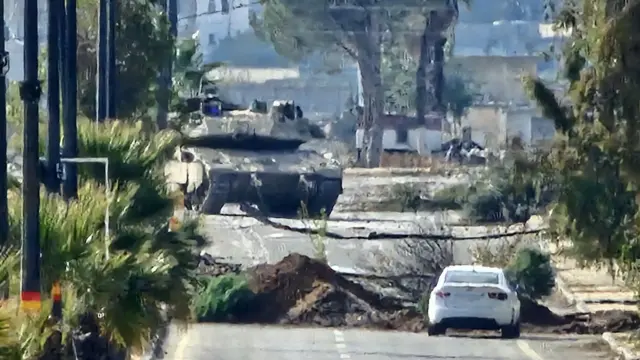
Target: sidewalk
{"type": "Point", "coordinates": [591, 289]}
{"type": "Point", "coordinates": [594, 290]}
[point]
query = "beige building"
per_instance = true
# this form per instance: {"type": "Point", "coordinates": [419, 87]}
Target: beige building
{"type": "Point", "coordinates": [494, 126]}
{"type": "Point", "coordinates": [404, 133]}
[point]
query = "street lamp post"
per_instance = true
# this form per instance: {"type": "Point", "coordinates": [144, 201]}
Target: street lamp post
{"type": "Point", "coordinates": [107, 184]}
{"type": "Point", "coordinates": [30, 91]}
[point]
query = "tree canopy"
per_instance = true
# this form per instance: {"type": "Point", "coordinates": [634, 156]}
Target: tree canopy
{"type": "Point", "coordinates": [596, 156]}
{"type": "Point", "coordinates": [300, 28]}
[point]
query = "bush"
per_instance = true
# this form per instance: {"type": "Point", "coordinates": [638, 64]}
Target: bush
{"type": "Point", "coordinates": [222, 298]}
{"type": "Point", "coordinates": [525, 266]}
{"type": "Point", "coordinates": [454, 197]}
{"type": "Point", "coordinates": [532, 271]}
{"type": "Point", "coordinates": [500, 203]}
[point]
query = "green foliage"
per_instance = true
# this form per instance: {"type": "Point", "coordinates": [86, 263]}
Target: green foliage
{"type": "Point", "coordinates": [222, 298]}
{"type": "Point", "coordinates": [596, 154]}
{"type": "Point", "coordinates": [399, 82]}
{"type": "Point", "coordinates": [189, 66]}
{"type": "Point", "coordinates": [140, 272]}
{"type": "Point", "coordinates": [510, 192]}
{"type": "Point", "coordinates": [143, 44]}
{"type": "Point", "coordinates": [532, 271]}
{"type": "Point", "coordinates": [408, 195]}
{"type": "Point", "coordinates": [527, 267]}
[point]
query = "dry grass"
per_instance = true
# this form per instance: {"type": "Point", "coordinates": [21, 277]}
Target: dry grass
{"type": "Point", "coordinates": [406, 160]}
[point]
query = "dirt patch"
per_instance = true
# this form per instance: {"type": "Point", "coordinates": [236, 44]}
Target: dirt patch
{"type": "Point", "coordinates": [301, 290]}
{"type": "Point", "coordinates": [208, 265]}
{"type": "Point", "coordinates": [539, 318]}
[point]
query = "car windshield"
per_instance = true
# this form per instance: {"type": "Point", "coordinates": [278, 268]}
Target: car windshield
{"type": "Point", "coordinates": [472, 277]}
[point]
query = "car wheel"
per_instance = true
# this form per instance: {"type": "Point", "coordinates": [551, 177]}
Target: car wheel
{"type": "Point", "coordinates": [511, 331]}
{"type": "Point", "coordinates": [435, 330]}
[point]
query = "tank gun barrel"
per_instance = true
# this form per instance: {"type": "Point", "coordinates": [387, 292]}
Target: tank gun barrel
{"type": "Point", "coordinates": [240, 141]}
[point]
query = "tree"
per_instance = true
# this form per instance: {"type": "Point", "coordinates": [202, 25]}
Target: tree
{"type": "Point", "coordinates": [119, 298]}
{"type": "Point", "coordinates": [300, 28]}
{"type": "Point", "coordinates": [597, 152]}
{"type": "Point", "coordinates": [143, 43]}
{"type": "Point", "coordinates": [189, 67]}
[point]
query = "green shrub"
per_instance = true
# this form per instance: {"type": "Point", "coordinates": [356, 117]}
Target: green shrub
{"type": "Point", "coordinates": [407, 195]}
{"type": "Point", "coordinates": [454, 197]}
{"type": "Point", "coordinates": [500, 203]}
{"type": "Point", "coordinates": [222, 298]}
{"type": "Point", "coordinates": [532, 271]}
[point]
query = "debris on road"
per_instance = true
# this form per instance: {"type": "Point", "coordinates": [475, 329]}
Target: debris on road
{"type": "Point", "coordinates": [209, 265]}
{"type": "Point", "coordinates": [538, 318]}
{"type": "Point", "coordinates": [299, 290]}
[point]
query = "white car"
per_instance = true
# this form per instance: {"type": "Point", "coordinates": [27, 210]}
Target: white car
{"type": "Point", "coordinates": [474, 297]}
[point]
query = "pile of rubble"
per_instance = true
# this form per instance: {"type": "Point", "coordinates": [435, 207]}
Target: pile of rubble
{"type": "Point", "coordinates": [210, 266]}
{"type": "Point", "coordinates": [301, 290]}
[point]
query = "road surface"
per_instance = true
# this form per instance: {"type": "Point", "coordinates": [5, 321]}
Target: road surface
{"type": "Point", "coordinates": [248, 241]}
{"type": "Point", "coordinates": [232, 342]}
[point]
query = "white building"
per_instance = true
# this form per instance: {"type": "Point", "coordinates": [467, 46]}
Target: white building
{"type": "Point", "coordinates": [213, 19]}
{"type": "Point", "coordinates": [404, 133]}
{"type": "Point", "coordinates": [495, 126]}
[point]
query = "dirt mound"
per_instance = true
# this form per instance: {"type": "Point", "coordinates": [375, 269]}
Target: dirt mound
{"type": "Point", "coordinates": [301, 290]}
{"type": "Point", "coordinates": [539, 318]}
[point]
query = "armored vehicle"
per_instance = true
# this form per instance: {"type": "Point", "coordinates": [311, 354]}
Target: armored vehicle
{"type": "Point", "coordinates": [236, 162]}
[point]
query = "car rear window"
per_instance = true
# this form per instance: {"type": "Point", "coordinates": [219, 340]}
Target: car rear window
{"type": "Point", "coordinates": [472, 277]}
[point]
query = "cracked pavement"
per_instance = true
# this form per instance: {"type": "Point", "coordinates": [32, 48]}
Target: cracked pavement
{"type": "Point", "coordinates": [249, 241]}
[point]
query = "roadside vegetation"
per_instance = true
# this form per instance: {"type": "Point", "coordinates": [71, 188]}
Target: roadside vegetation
{"type": "Point", "coordinates": [509, 192]}
{"type": "Point", "coordinates": [119, 289]}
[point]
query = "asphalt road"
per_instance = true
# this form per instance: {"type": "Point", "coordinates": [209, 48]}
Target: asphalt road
{"type": "Point", "coordinates": [231, 342]}
{"type": "Point", "coordinates": [248, 241]}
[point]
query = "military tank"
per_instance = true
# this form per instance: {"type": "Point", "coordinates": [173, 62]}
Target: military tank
{"type": "Point", "coordinates": [268, 162]}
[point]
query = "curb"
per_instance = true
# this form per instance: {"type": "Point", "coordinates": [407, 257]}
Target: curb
{"type": "Point", "coordinates": [581, 306]}
{"type": "Point", "coordinates": [619, 349]}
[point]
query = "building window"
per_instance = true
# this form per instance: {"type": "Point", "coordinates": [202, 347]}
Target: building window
{"type": "Point", "coordinates": [212, 39]}
{"type": "Point", "coordinates": [212, 6]}
{"type": "Point", "coordinates": [402, 136]}
{"type": "Point", "coordinates": [225, 6]}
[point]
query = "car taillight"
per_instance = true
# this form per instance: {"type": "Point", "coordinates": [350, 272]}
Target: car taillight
{"type": "Point", "coordinates": [442, 294]}
{"type": "Point", "coordinates": [498, 296]}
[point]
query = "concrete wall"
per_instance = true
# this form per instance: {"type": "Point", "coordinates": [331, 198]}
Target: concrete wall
{"type": "Point", "coordinates": [494, 126]}
{"type": "Point", "coordinates": [420, 140]}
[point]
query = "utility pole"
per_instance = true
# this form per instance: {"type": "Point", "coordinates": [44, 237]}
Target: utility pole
{"type": "Point", "coordinates": [101, 74]}
{"type": "Point", "coordinates": [112, 74]}
{"type": "Point", "coordinates": [62, 64]}
{"type": "Point", "coordinates": [170, 8]}
{"type": "Point", "coordinates": [70, 111]}
{"type": "Point", "coordinates": [53, 99]}
{"type": "Point", "coordinates": [30, 92]}
{"type": "Point", "coordinates": [4, 61]}
{"type": "Point", "coordinates": [173, 22]}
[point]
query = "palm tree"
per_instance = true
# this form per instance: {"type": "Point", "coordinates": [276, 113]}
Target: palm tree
{"type": "Point", "coordinates": [149, 273]}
